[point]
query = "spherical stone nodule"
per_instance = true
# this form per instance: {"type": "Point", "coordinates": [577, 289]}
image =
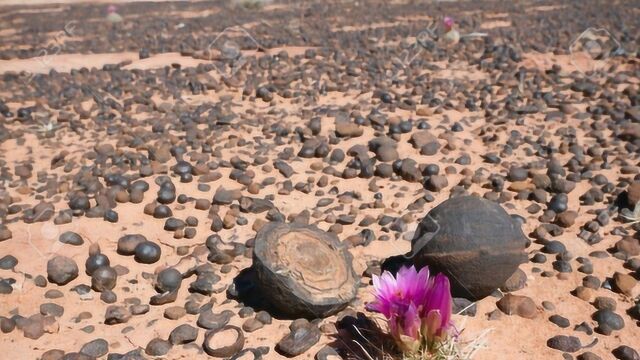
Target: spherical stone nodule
{"type": "Point", "coordinates": [61, 270]}
{"type": "Point", "coordinates": [157, 347]}
{"type": "Point", "coordinates": [95, 261]}
{"type": "Point", "coordinates": [304, 271]}
{"type": "Point", "coordinates": [104, 278]}
{"type": "Point", "coordinates": [147, 252]}
{"type": "Point", "coordinates": [168, 279]}
{"type": "Point", "coordinates": [471, 240]}
{"type": "Point", "coordinates": [128, 243]}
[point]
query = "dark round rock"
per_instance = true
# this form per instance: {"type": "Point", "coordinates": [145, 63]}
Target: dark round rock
{"type": "Point", "coordinates": [71, 238]}
{"type": "Point", "coordinates": [95, 261]}
{"type": "Point", "coordinates": [53, 294]}
{"type": "Point", "coordinates": [561, 321]}
{"type": "Point", "coordinates": [166, 196]}
{"type": "Point", "coordinates": [591, 282]}
{"type": "Point", "coordinates": [539, 258]}
{"type": "Point", "coordinates": [79, 202]}
{"type": "Point", "coordinates": [518, 174]}
{"type": "Point", "coordinates": [168, 279]}
{"type": "Point", "coordinates": [147, 252]}
{"type": "Point", "coordinates": [337, 156]}
{"type": "Point", "coordinates": [6, 286]}
{"type": "Point", "coordinates": [587, 355]}
{"type": "Point", "coordinates": [61, 270]}
{"type": "Point", "coordinates": [554, 247]}
{"type": "Point", "coordinates": [173, 224]}
{"type": "Point", "coordinates": [108, 297]}
{"type": "Point", "coordinates": [263, 93]}
{"type": "Point", "coordinates": [558, 203]}
{"type": "Point", "coordinates": [264, 317]}
{"type": "Point", "coordinates": [302, 337]}
{"type": "Point", "coordinates": [7, 324]}
{"type": "Point", "coordinates": [624, 352]}
{"type": "Point", "coordinates": [183, 334]}
{"type": "Point", "coordinates": [562, 266]}
{"type": "Point", "coordinates": [182, 167]}
{"type": "Point", "coordinates": [608, 321]}
{"type": "Point", "coordinates": [111, 216]}
{"type": "Point", "coordinates": [431, 169]}
{"type": "Point", "coordinates": [95, 348]}
{"type": "Point", "coordinates": [603, 302]}
{"type": "Point", "coordinates": [565, 343]}
{"type": "Point", "coordinates": [139, 185]}
{"type": "Point", "coordinates": [478, 257]}
{"type": "Point", "coordinates": [103, 278]}
{"type": "Point", "coordinates": [128, 243]}
{"type": "Point", "coordinates": [157, 347]}
{"type": "Point", "coordinates": [212, 321]}
{"type": "Point", "coordinates": [515, 282]}
{"type": "Point", "coordinates": [162, 211]}
{"type": "Point", "coordinates": [52, 354]}
{"type": "Point", "coordinates": [8, 262]}
{"type": "Point", "coordinates": [51, 309]}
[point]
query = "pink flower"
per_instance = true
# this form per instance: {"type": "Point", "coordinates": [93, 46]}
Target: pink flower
{"type": "Point", "coordinates": [393, 295]}
{"type": "Point", "coordinates": [448, 22]}
{"type": "Point", "coordinates": [417, 308]}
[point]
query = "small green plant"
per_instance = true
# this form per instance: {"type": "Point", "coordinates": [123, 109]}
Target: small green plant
{"type": "Point", "coordinates": [380, 347]}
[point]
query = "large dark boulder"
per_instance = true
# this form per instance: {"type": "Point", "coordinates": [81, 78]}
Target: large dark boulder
{"type": "Point", "coordinates": [471, 240]}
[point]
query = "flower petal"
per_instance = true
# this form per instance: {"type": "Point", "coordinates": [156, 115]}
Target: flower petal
{"type": "Point", "coordinates": [411, 322]}
{"type": "Point", "coordinates": [440, 299]}
{"type": "Point", "coordinates": [431, 325]}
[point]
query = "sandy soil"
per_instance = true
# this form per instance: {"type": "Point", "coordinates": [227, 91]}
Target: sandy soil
{"type": "Point", "coordinates": [508, 337]}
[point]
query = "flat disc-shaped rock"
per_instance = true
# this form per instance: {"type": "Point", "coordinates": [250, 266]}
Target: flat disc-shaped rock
{"type": "Point", "coordinates": [223, 343]}
{"type": "Point", "coordinates": [473, 241]}
{"type": "Point", "coordinates": [304, 272]}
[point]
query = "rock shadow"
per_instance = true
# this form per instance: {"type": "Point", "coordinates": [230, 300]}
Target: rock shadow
{"type": "Point", "coordinates": [360, 337]}
{"type": "Point", "coordinates": [248, 292]}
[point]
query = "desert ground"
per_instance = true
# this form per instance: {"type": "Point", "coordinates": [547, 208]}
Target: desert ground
{"type": "Point", "coordinates": [161, 141]}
